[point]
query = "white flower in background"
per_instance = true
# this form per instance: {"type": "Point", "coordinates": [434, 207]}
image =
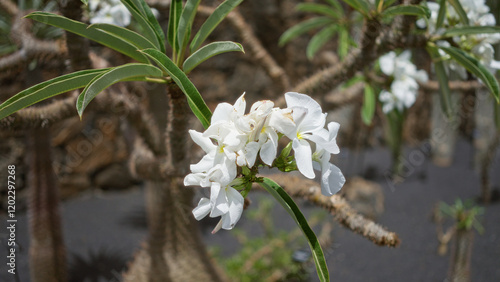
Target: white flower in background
{"type": "Point", "coordinates": [235, 139]}
{"type": "Point", "coordinates": [404, 87]}
{"type": "Point", "coordinates": [109, 12]}
{"type": "Point", "coordinates": [479, 45]}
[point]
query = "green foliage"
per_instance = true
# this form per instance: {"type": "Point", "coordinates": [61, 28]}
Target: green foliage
{"type": "Point", "coordinates": [269, 255]}
{"type": "Point", "coordinates": [476, 68]}
{"type": "Point", "coordinates": [411, 10]}
{"type": "Point", "coordinates": [465, 214]}
{"type": "Point", "coordinates": [173, 24]}
{"type": "Point", "coordinates": [445, 93]}
{"type": "Point", "coordinates": [286, 201]}
{"type": "Point", "coordinates": [333, 22]}
{"type": "Point", "coordinates": [369, 104]}
{"type": "Point", "coordinates": [212, 22]}
{"type": "Point", "coordinates": [196, 102]}
{"type": "Point", "coordinates": [470, 30]}
{"type": "Point", "coordinates": [128, 35]}
{"type": "Point", "coordinates": [107, 39]}
{"type": "Point", "coordinates": [102, 81]}
{"type": "Point", "coordinates": [460, 11]}
{"type": "Point", "coordinates": [185, 25]}
{"type": "Point", "coordinates": [208, 51]}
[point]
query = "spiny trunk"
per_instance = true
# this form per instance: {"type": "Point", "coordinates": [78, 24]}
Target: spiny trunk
{"type": "Point", "coordinates": [175, 250]}
{"type": "Point", "coordinates": [461, 255]}
{"type": "Point", "coordinates": [47, 252]}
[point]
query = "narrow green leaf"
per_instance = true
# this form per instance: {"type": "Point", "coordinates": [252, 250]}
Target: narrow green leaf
{"type": "Point", "coordinates": [336, 5]}
{"type": "Point", "coordinates": [148, 30]}
{"type": "Point", "coordinates": [86, 2]}
{"type": "Point", "coordinates": [173, 23]}
{"type": "Point", "coordinates": [104, 80]}
{"type": "Point", "coordinates": [212, 22]}
{"type": "Point", "coordinates": [47, 89]}
{"type": "Point", "coordinates": [343, 42]}
{"type": "Point", "coordinates": [441, 13]}
{"type": "Point", "coordinates": [186, 23]}
{"type": "Point", "coordinates": [476, 68]}
{"type": "Point", "coordinates": [318, 40]}
{"type": "Point", "coordinates": [388, 3]}
{"type": "Point", "coordinates": [361, 6]}
{"type": "Point", "coordinates": [128, 35]}
{"type": "Point", "coordinates": [151, 20]}
{"type": "Point", "coordinates": [112, 41]}
{"type": "Point", "coordinates": [369, 104]}
{"type": "Point", "coordinates": [286, 201]}
{"type": "Point", "coordinates": [445, 93]}
{"type": "Point", "coordinates": [411, 10]}
{"type": "Point", "coordinates": [302, 28]}
{"type": "Point", "coordinates": [318, 9]}
{"type": "Point", "coordinates": [466, 30]}
{"type": "Point", "coordinates": [208, 51]}
{"type": "Point", "coordinates": [460, 11]}
{"type": "Point", "coordinates": [195, 101]}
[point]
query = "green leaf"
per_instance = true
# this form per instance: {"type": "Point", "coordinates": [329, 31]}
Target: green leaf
{"type": "Point", "coordinates": [441, 13]}
{"type": "Point", "coordinates": [302, 28]}
{"type": "Point", "coordinates": [104, 80]}
{"type": "Point", "coordinates": [142, 7]}
{"type": "Point", "coordinates": [47, 89]}
{"type": "Point", "coordinates": [410, 10]}
{"type": "Point", "coordinates": [128, 35]}
{"type": "Point", "coordinates": [476, 68]}
{"type": "Point", "coordinates": [336, 5]}
{"type": "Point", "coordinates": [173, 23]}
{"type": "Point", "coordinates": [286, 201]}
{"type": "Point", "coordinates": [460, 11]}
{"type": "Point", "coordinates": [148, 30]}
{"type": "Point", "coordinates": [318, 9]}
{"type": "Point", "coordinates": [112, 41]}
{"type": "Point", "coordinates": [343, 42]}
{"type": "Point", "coordinates": [466, 30]}
{"type": "Point", "coordinates": [318, 40]}
{"type": "Point", "coordinates": [361, 6]}
{"type": "Point", "coordinates": [212, 22]}
{"type": "Point", "coordinates": [208, 51]}
{"type": "Point", "coordinates": [445, 93]}
{"type": "Point", "coordinates": [186, 23]}
{"type": "Point", "coordinates": [388, 3]}
{"type": "Point", "coordinates": [369, 104]}
{"type": "Point", "coordinates": [86, 2]}
{"type": "Point", "coordinates": [195, 101]}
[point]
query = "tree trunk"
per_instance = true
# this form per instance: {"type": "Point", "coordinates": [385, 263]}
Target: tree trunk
{"type": "Point", "coordinates": [461, 255]}
{"type": "Point", "coordinates": [174, 250]}
{"type": "Point", "coordinates": [47, 251]}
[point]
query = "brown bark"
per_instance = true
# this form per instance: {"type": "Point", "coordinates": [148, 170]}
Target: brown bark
{"type": "Point", "coordinates": [174, 250]}
{"type": "Point", "coordinates": [47, 251]}
{"type": "Point", "coordinates": [461, 255]}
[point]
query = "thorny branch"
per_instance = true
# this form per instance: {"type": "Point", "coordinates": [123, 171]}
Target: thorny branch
{"type": "Point", "coordinates": [254, 46]}
{"type": "Point", "coordinates": [338, 207]}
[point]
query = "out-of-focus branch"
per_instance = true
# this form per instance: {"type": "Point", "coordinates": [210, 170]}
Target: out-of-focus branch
{"type": "Point", "coordinates": [342, 97]}
{"type": "Point", "coordinates": [485, 168]}
{"type": "Point", "coordinates": [31, 48]}
{"type": "Point", "coordinates": [454, 85]}
{"type": "Point", "coordinates": [376, 40]}
{"type": "Point", "coordinates": [254, 46]}
{"type": "Point", "coordinates": [10, 7]}
{"type": "Point", "coordinates": [338, 207]}
{"type": "Point", "coordinates": [144, 165]}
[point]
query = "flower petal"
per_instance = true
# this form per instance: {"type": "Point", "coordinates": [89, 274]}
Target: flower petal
{"type": "Point", "coordinates": [303, 157]}
{"type": "Point", "coordinates": [202, 209]}
{"type": "Point", "coordinates": [332, 180]}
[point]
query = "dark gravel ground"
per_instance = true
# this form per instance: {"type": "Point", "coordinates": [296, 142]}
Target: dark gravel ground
{"type": "Point", "coordinates": [103, 230]}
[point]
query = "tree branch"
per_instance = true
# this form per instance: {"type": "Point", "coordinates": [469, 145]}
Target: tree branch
{"type": "Point", "coordinates": [339, 208]}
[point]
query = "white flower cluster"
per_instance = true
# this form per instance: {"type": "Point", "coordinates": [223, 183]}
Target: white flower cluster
{"type": "Point", "coordinates": [480, 45]}
{"type": "Point", "coordinates": [109, 12]}
{"type": "Point", "coordinates": [404, 87]}
{"type": "Point", "coordinates": [235, 139]}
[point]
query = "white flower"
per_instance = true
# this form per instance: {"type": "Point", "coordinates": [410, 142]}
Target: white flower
{"type": "Point", "coordinates": [332, 178]}
{"type": "Point", "coordinates": [404, 88]}
{"type": "Point", "coordinates": [308, 118]}
{"type": "Point", "coordinates": [225, 202]}
{"type": "Point", "coordinates": [109, 12]}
